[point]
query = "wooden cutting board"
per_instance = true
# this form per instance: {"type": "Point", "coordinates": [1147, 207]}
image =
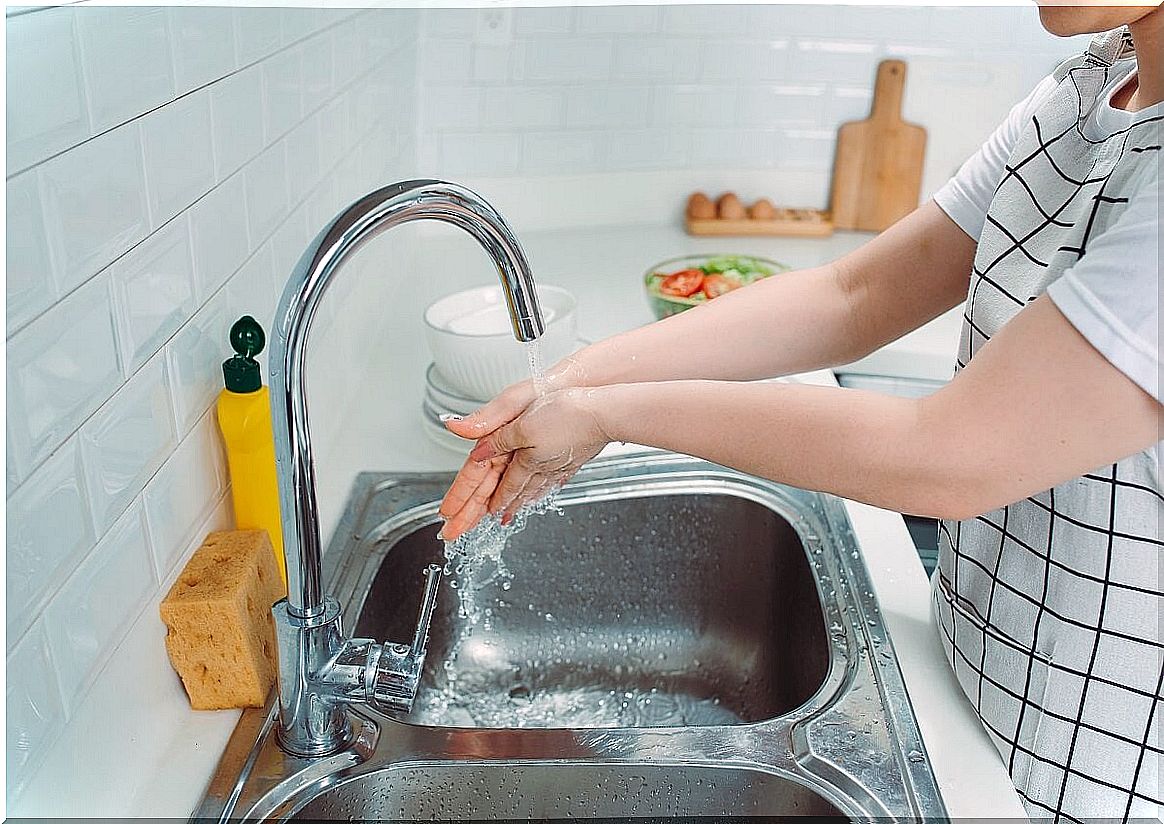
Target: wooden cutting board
{"type": "Point", "coordinates": [878, 167]}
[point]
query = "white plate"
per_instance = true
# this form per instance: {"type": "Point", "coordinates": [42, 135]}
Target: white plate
{"type": "Point", "coordinates": [443, 396]}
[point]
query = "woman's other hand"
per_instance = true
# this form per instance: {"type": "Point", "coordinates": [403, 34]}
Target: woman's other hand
{"type": "Point", "coordinates": [522, 460]}
{"type": "Point", "coordinates": [514, 400]}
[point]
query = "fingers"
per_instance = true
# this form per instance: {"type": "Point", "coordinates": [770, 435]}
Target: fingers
{"type": "Point", "coordinates": [517, 478]}
{"type": "Point", "coordinates": [470, 476]}
{"type": "Point", "coordinates": [507, 439]}
{"type": "Point", "coordinates": [537, 488]}
{"type": "Point", "coordinates": [498, 412]}
{"type": "Point", "coordinates": [476, 504]}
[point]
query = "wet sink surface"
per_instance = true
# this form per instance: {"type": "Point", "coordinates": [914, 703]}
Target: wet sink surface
{"type": "Point", "coordinates": [558, 791]}
{"type": "Point", "coordinates": [659, 610]}
{"type": "Point", "coordinates": [683, 640]}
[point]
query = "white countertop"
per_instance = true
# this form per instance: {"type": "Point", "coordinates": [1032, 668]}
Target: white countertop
{"type": "Point", "coordinates": [603, 267]}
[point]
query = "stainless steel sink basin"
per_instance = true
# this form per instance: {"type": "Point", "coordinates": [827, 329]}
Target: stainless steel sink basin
{"type": "Point", "coordinates": [681, 640]}
{"type": "Point", "coordinates": [651, 610]}
{"type": "Point", "coordinates": [612, 791]}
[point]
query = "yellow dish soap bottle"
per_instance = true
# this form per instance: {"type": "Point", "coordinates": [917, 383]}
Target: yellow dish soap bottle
{"type": "Point", "coordinates": [244, 416]}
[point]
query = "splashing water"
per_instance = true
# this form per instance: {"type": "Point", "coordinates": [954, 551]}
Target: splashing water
{"type": "Point", "coordinates": [589, 707]}
{"type": "Point", "coordinates": [475, 559]}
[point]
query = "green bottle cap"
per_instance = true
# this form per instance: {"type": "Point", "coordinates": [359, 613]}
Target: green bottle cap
{"type": "Point", "coordinates": [241, 373]}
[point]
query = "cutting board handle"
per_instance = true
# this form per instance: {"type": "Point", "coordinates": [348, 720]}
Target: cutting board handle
{"type": "Point", "coordinates": [888, 90]}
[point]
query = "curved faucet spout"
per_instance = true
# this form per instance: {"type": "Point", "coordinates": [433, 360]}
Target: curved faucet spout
{"type": "Point", "coordinates": [359, 223]}
{"type": "Point", "coordinates": [320, 670]}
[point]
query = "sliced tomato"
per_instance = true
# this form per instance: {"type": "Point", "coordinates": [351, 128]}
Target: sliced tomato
{"type": "Point", "coordinates": [682, 284]}
{"type": "Point", "coordinates": [716, 285]}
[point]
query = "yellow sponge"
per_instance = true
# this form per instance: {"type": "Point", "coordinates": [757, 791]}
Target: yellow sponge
{"type": "Point", "coordinates": [221, 637]}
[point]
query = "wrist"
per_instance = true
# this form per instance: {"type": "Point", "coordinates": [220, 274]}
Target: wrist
{"type": "Point", "coordinates": [570, 372]}
{"type": "Point", "coordinates": [597, 404]}
{"type": "Point", "coordinates": [589, 403]}
{"type": "Point", "coordinates": [598, 364]}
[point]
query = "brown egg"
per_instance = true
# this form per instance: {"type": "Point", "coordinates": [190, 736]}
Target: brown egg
{"type": "Point", "coordinates": [700, 207]}
{"type": "Point", "coordinates": [762, 209]}
{"type": "Point", "coordinates": [730, 208]}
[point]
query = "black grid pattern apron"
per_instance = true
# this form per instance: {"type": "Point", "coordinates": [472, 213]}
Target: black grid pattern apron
{"type": "Point", "coordinates": [1050, 608]}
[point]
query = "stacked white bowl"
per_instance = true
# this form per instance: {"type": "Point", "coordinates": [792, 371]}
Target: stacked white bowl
{"type": "Point", "coordinates": [472, 343]}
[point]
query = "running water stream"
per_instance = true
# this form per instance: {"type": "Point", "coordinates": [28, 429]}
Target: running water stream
{"type": "Point", "coordinates": [476, 560]}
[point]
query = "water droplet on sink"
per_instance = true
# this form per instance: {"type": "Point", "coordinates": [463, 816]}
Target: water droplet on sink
{"type": "Point", "coordinates": [916, 757]}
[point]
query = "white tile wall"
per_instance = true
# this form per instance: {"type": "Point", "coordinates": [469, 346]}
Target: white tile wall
{"type": "Point", "coordinates": [93, 609]}
{"type": "Point", "coordinates": [182, 493]}
{"type": "Point", "coordinates": [266, 192]}
{"type": "Point", "coordinates": [126, 441]}
{"type": "Point", "coordinates": [153, 291]}
{"type": "Point", "coordinates": [218, 234]}
{"type": "Point", "coordinates": [166, 167]}
{"type": "Point", "coordinates": [61, 367]}
{"type": "Point", "coordinates": [128, 62]}
{"type": "Point", "coordinates": [45, 117]}
{"type": "Point", "coordinates": [49, 529]}
{"type": "Point", "coordinates": [94, 204]}
{"type": "Point", "coordinates": [706, 87]}
{"type": "Point", "coordinates": [238, 134]}
{"type": "Point", "coordinates": [203, 44]}
{"type": "Point", "coordinates": [257, 34]}
{"type": "Point", "coordinates": [28, 291]}
{"type": "Point", "coordinates": [35, 712]}
{"type": "Point", "coordinates": [179, 155]}
{"type": "Point", "coordinates": [194, 359]}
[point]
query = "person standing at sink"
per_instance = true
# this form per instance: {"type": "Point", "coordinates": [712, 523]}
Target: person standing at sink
{"type": "Point", "coordinates": [1042, 455]}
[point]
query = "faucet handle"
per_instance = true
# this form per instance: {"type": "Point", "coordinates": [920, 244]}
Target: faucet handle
{"type": "Point", "coordinates": [394, 676]}
{"type": "Point", "coordinates": [427, 605]}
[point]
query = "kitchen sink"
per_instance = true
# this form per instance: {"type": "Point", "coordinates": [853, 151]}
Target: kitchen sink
{"type": "Point", "coordinates": [679, 639]}
{"type": "Point", "coordinates": [675, 609]}
{"type": "Point", "coordinates": [612, 791]}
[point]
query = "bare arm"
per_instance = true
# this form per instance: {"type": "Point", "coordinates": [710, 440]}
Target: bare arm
{"type": "Point", "coordinates": [1037, 406]}
{"type": "Point", "coordinates": [810, 319]}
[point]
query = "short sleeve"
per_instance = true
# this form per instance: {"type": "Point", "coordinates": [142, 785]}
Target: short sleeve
{"type": "Point", "coordinates": [966, 197]}
{"type": "Point", "coordinates": [1112, 295]}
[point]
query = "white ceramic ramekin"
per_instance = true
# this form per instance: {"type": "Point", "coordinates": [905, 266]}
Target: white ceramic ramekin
{"type": "Point", "coordinates": [472, 343]}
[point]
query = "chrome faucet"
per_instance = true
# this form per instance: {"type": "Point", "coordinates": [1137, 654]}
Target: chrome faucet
{"type": "Point", "coordinates": [321, 671]}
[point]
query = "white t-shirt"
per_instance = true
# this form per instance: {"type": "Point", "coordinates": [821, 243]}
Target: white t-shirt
{"type": "Point", "coordinates": [1112, 295]}
{"type": "Point", "coordinates": [1050, 608]}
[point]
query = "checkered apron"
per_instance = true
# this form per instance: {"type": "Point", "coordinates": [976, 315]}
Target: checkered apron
{"type": "Point", "coordinates": [1050, 608]}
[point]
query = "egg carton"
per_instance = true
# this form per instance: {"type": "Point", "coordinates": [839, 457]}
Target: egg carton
{"type": "Point", "coordinates": [727, 216]}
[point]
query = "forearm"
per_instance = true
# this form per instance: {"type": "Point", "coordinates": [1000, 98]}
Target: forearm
{"type": "Point", "coordinates": [1036, 407]}
{"type": "Point", "coordinates": [858, 445]}
{"type": "Point", "coordinates": [782, 325]}
{"type": "Point", "coordinates": [800, 321]}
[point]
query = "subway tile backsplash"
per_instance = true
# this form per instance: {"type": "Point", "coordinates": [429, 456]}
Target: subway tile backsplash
{"type": "Point", "coordinates": [167, 166]}
{"type": "Point", "coordinates": [755, 76]}
{"type": "Point", "coordinates": [161, 163]}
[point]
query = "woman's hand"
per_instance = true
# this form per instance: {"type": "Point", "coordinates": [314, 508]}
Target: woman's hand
{"type": "Point", "coordinates": [523, 460]}
{"type": "Point", "coordinates": [514, 399]}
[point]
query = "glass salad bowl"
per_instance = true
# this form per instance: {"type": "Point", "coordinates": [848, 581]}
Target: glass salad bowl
{"type": "Point", "coordinates": [677, 284]}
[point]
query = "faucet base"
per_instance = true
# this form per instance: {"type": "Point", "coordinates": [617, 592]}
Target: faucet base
{"type": "Point", "coordinates": [310, 723]}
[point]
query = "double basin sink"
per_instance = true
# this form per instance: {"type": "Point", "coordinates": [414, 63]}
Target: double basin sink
{"type": "Point", "coordinates": [679, 640]}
